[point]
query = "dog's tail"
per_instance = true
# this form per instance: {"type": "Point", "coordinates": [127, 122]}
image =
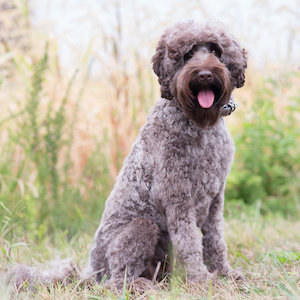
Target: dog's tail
{"type": "Point", "coordinates": [56, 272]}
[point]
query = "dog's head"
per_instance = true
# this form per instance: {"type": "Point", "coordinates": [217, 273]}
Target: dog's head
{"type": "Point", "coordinates": [199, 66]}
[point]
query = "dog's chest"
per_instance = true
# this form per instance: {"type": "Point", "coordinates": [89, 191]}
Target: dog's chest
{"type": "Point", "coordinates": [212, 156]}
{"type": "Point", "coordinates": [204, 157]}
{"type": "Point", "coordinates": [212, 160]}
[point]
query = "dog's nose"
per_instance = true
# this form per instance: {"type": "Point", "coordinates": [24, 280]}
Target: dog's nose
{"type": "Point", "coordinates": [205, 76]}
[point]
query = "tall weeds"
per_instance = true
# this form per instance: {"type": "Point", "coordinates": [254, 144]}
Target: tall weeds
{"type": "Point", "coordinates": [40, 181]}
{"type": "Point", "coordinates": [65, 141]}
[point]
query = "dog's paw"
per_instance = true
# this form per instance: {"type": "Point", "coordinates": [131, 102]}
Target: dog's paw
{"type": "Point", "coordinates": [236, 275]}
{"type": "Point", "coordinates": [233, 274]}
{"type": "Point", "coordinates": [201, 277]}
{"type": "Point", "coordinates": [141, 285]}
{"type": "Point", "coordinates": [203, 281]}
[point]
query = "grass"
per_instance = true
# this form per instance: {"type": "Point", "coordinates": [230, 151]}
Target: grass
{"type": "Point", "coordinates": [63, 140]}
{"type": "Point", "coordinates": [265, 249]}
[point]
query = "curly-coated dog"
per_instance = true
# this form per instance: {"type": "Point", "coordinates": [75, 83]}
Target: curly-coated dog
{"type": "Point", "coordinates": [172, 183]}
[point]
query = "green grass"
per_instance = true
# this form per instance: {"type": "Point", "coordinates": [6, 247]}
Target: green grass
{"type": "Point", "coordinates": [56, 172]}
{"type": "Point", "coordinates": [265, 249]}
{"type": "Point", "coordinates": [267, 158]}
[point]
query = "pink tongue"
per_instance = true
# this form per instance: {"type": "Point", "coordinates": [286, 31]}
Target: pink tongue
{"type": "Point", "coordinates": [206, 98]}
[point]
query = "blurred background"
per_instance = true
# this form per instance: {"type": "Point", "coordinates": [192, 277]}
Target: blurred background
{"type": "Point", "coordinates": [76, 85]}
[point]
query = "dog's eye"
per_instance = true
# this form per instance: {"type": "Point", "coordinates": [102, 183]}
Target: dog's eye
{"type": "Point", "coordinates": [188, 56]}
{"type": "Point", "coordinates": [216, 52]}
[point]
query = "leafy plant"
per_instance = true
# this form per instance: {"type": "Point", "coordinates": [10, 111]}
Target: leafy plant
{"type": "Point", "coordinates": [267, 160]}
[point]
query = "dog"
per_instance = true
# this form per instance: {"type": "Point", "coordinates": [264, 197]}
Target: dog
{"type": "Point", "coordinates": [171, 185]}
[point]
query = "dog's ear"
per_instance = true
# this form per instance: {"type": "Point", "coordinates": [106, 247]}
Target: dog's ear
{"type": "Point", "coordinates": [158, 58]}
{"type": "Point", "coordinates": [237, 64]}
{"type": "Point", "coordinates": [159, 68]}
{"type": "Point", "coordinates": [240, 80]}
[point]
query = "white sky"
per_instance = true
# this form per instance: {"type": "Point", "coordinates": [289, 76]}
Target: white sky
{"type": "Point", "coordinates": [269, 30]}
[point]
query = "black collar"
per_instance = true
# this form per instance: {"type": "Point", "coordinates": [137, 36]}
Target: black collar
{"type": "Point", "coordinates": [228, 108]}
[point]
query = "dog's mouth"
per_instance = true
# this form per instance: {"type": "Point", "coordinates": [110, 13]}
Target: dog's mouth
{"type": "Point", "coordinates": [206, 96]}
{"type": "Point", "coordinates": [202, 90]}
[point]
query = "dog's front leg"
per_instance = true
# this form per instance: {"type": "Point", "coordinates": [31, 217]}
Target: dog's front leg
{"type": "Point", "coordinates": [214, 246]}
{"type": "Point", "coordinates": [185, 237]}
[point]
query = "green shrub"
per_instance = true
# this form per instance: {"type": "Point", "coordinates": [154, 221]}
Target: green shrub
{"type": "Point", "coordinates": [267, 159]}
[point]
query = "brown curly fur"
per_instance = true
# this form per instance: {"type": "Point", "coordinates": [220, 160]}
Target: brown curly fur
{"type": "Point", "coordinates": [180, 39]}
{"type": "Point", "coordinates": [172, 183]}
{"type": "Point", "coordinates": [174, 75]}
{"type": "Point", "coordinates": [187, 78]}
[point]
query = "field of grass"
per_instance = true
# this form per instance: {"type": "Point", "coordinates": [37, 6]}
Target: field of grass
{"type": "Point", "coordinates": [266, 250]}
{"type": "Point", "coordinates": [47, 212]}
{"type": "Point", "coordinates": [63, 140]}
